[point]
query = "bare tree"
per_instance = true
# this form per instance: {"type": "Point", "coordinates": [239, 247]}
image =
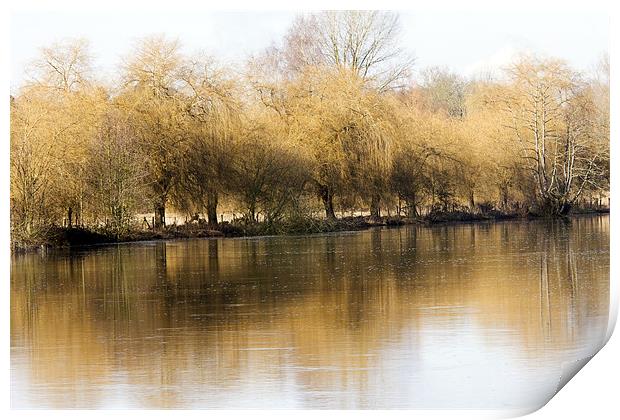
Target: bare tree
{"type": "Point", "coordinates": [366, 42]}
{"type": "Point", "coordinates": [62, 66]}
{"type": "Point", "coordinates": [551, 116]}
{"type": "Point", "coordinates": [443, 91]}
{"type": "Point", "coordinates": [116, 176]}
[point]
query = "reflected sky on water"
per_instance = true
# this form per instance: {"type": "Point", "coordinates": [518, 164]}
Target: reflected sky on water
{"type": "Point", "coordinates": [458, 316]}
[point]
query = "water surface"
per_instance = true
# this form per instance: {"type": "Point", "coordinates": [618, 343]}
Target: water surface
{"type": "Point", "coordinates": [476, 316]}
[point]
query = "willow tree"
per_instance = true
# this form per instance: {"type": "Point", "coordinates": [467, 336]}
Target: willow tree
{"type": "Point", "coordinates": [65, 104]}
{"type": "Point", "coordinates": [499, 158]}
{"type": "Point", "coordinates": [69, 105]}
{"type": "Point", "coordinates": [368, 140]}
{"type": "Point", "coordinates": [269, 171]}
{"type": "Point", "coordinates": [361, 46]}
{"type": "Point", "coordinates": [551, 115]}
{"type": "Point", "coordinates": [213, 106]}
{"type": "Point", "coordinates": [420, 146]}
{"type": "Point", "coordinates": [344, 127]}
{"type": "Point", "coordinates": [152, 103]}
{"type": "Point", "coordinates": [31, 167]}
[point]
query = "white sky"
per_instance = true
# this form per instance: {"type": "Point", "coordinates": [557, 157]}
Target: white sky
{"type": "Point", "coordinates": [465, 42]}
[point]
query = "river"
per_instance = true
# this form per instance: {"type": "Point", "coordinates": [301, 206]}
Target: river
{"type": "Point", "coordinates": [467, 316]}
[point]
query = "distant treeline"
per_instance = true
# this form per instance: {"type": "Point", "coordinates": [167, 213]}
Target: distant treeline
{"type": "Point", "coordinates": [329, 118]}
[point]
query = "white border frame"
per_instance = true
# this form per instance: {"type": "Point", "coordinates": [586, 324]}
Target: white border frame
{"type": "Point", "coordinates": [591, 394]}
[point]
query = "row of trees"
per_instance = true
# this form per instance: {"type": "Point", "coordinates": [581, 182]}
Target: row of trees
{"type": "Point", "coordinates": [330, 117]}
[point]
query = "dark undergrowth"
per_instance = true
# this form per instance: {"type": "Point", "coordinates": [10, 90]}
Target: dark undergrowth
{"type": "Point", "coordinates": [56, 237]}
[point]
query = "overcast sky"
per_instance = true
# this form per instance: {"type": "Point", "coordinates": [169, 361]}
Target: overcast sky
{"type": "Point", "coordinates": [465, 42]}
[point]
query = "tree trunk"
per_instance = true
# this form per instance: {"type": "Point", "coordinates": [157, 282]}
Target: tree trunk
{"type": "Point", "coordinates": [564, 209]}
{"type": "Point", "coordinates": [160, 215]}
{"type": "Point", "coordinates": [252, 216]}
{"type": "Point", "coordinates": [70, 217]}
{"type": "Point", "coordinates": [375, 207]}
{"type": "Point", "coordinates": [328, 201]}
{"type": "Point", "coordinates": [472, 201]}
{"type": "Point", "coordinates": [555, 207]}
{"type": "Point", "coordinates": [212, 199]}
{"type": "Point", "coordinates": [504, 197]}
{"type": "Point", "coordinates": [412, 209]}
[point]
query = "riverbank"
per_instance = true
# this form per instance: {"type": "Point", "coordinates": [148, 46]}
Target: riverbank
{"type": "Point", "coordinates": [60, 237]}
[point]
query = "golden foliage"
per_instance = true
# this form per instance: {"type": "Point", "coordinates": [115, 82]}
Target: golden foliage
{"type": "Point", "coordinates": [322, 124]}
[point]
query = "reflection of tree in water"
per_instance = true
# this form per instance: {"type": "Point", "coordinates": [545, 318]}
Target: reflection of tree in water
{"type": "Point", "coordinates": [168, 313]}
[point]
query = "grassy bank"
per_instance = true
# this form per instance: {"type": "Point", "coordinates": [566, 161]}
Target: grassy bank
{"type": "Point", "coordinates": [55, 237]}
